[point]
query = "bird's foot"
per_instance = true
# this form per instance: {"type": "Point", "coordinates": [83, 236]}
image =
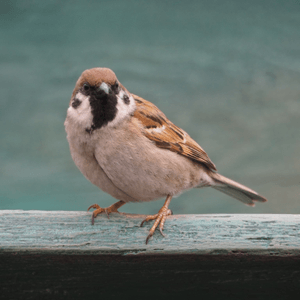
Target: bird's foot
{"type": "Point", "coordinates": [98, 210]}
{"type": "Point", "coordinates": [160, 219]}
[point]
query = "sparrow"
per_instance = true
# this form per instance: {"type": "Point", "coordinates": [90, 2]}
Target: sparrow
{"type": "Point", "coordinates": [128, 148]}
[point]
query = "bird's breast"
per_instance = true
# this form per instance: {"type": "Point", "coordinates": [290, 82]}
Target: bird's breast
{"type": "Point", "coordinates": [141, 169]}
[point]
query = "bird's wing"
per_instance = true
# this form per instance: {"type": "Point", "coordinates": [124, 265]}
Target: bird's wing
{"type": "Point", "coordinates": [166, 135]}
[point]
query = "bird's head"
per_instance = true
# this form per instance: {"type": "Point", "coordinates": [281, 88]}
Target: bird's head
{"type": "Point", "coordinates": [99, 100]}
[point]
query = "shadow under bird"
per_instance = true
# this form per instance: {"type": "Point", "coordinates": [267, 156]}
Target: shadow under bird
{"type": "Point", "coordinates": [128, 148]}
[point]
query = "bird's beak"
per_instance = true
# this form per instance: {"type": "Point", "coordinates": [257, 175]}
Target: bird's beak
{"type": "Point", "coordinates": [104, 87]}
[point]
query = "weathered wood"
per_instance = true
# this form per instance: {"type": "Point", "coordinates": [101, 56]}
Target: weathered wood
{"type": "Point", "coordinates": [61, 255]}
{"type": "Point", "coordinates": [71, 232]}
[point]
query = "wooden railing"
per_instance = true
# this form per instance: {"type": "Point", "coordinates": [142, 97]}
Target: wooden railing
{"type": "Point", "coordinates": [60, 255]}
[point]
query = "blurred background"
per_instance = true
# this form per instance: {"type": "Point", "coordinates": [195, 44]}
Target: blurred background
{"type": "Point", "coordinates": [227, 72]}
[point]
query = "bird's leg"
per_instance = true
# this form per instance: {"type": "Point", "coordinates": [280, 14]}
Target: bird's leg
{"type": "Point", "coordinates": [107, 210]}
{"type": "Point", "coordinates": [159, 218]}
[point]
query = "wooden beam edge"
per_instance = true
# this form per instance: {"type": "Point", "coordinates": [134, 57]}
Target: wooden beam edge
{"type": "Point", "coordinates": [71, 233]}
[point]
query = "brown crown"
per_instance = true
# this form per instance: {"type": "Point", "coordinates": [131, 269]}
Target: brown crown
{"type": "Point", "coordinates": [95, 77]}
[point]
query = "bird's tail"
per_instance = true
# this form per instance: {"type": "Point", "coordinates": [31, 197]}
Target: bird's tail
{"type": "Point", "coordinates": [235, 190]}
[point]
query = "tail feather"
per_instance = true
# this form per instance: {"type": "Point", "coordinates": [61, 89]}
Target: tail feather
{"type": "Point", "coordinates": [236, 190]}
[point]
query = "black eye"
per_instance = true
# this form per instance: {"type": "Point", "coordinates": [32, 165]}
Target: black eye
{"type": "Point", "coordinates": [86, 87]}
{"type": "Point", "coordinates": [115, 87]}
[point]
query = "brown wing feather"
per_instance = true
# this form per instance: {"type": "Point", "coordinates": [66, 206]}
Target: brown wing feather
{"type": "Point", "coordinates": [159, 129]}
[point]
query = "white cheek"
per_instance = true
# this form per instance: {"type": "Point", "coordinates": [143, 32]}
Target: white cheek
{"type": "Point", "coordinates": [83, 113]}
{"type": "Point", "coordinates": [124, 110]}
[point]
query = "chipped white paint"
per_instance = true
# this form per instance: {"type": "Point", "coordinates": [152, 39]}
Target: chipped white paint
{"type": "Point", "coordinates": [72, 232]}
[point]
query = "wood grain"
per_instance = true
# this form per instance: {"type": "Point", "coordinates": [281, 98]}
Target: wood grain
{"type": "Point", "coordinates": [71, 232]}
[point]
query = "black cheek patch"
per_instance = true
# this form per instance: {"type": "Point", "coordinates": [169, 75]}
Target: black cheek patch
{"type": "Point", "coordinates": [76, 102]}
{"type": "Point", "coordinates": [126, 99]}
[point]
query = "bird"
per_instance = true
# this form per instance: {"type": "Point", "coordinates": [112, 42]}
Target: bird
{"type": "Point", "coordinates": [126, 146]}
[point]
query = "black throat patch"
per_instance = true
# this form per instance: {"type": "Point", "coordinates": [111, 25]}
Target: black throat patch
{"type": "Point", "coordinates": [104, 108]}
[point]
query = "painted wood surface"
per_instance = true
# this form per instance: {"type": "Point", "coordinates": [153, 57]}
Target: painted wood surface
{"type": "Point", "coordinates": [71, 232]}
{"type": "Point", "coordinates": [60, 255]}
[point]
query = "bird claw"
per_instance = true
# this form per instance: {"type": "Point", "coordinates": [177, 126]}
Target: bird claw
{"type": "Point", "coordinates": [148, 237]}
{"type": "Point", "coordinates": [160, 219]}
{"type": "Point", "coordinates": [98, 210]}
{"type": "Point", "coordinates": [161, 232]}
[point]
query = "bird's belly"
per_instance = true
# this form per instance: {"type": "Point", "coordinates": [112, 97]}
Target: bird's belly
{"type": "Point", "coordinates": [146, 172]}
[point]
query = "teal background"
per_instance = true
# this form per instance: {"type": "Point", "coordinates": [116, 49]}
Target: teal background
{"type": "Point", "coordinates": [227, 72]}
